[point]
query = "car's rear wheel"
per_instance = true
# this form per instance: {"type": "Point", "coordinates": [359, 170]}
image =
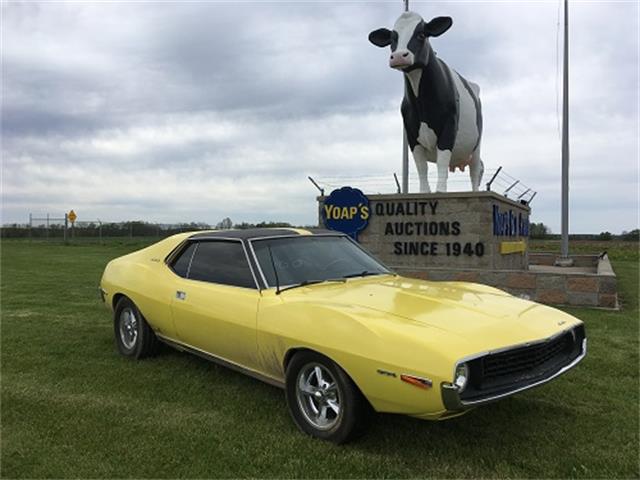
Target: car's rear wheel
{"type": "Point", "coordinates": [323, 401]}
{"type": "Point", "coordinates": [134, 337]}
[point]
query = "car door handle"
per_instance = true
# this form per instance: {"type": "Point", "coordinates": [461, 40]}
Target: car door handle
{"type": "Point", "coordinates": [181, 295]}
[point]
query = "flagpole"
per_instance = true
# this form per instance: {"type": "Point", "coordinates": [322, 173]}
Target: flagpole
{"type": "Point", "coordinates": [405, 146]}
{"type": "Point", "coordinates": [564, 250]}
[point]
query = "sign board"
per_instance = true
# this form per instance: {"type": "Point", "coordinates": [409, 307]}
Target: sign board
{"type": "Point", "coordinates": [72, 216]}
{"type": "Point", "coordinates": [464, 230]}
{"type": "Point", "coordinates": [346, 210]}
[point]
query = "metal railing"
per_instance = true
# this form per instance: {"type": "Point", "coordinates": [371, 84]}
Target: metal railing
{"type": "Point", "coordinates": [499, 181]}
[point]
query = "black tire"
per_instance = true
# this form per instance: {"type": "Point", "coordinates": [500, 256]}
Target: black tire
{"type": "Point", "coordinates": [354, 409]}
{"type": "Point", "coordinates": [134, 337]}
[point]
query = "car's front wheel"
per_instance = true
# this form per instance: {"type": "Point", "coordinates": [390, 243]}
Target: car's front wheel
{"type": "Point", "coordinates": [323, 401]}
{"type": "Point", "coordinates": [134, 336]}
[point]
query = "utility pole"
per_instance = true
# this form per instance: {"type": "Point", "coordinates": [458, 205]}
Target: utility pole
{"type": "Point", "coordinates": [564, 259]}
{"type": "Point", "coordinates": [405, 146]}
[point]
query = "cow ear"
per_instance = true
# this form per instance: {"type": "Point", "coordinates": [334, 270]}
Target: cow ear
{"type": "Point", "coordinates": [437, 26]}
{"type": "Point", "coordinates": [380, 37]}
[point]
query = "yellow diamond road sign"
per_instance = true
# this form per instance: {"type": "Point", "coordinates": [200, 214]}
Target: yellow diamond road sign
{"type": "Point", "coordinates": [72, 216]}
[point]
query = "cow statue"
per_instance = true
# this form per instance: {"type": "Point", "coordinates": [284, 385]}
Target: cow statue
{"type": "Point", "coordinates": [441, 110]}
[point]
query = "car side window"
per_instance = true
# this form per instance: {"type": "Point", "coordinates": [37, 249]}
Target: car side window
{"type": "Point", "coordinates": [181, 264]}
{"type": "Point", "coordinates": [221, 262]}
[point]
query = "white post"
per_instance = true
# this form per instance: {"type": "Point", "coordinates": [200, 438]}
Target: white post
{"type": "Point", "coordinates": [405, 146]}
{"type": "Point", "coordinates": [405, 162]}
{"type": "Point", "coordinates": [565, 137]}
{"type": "Point", "coordinates": [564, 259]}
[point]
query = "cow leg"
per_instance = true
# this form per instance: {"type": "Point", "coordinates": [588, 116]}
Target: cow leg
{"type": "Point", "coordinates": [443, 160]}
{"type": "Point", "coordinates": [476, 170]}
{"type": "Point", "coordinates": [422, 165]}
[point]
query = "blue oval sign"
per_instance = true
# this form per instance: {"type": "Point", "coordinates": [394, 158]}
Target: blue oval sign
{"type": "Point", "coordinates": [346, 210]}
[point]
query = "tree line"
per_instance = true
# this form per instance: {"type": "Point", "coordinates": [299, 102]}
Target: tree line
{"type": "Point", "coordinates": [122, 229]}
{"type": "Point", "coordinates": [541, 231]}
{"type": "Point", "coordinates": [149, 229]}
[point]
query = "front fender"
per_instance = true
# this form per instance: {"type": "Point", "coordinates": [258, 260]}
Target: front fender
{"type": "Point", "coordinates": [373, 347]}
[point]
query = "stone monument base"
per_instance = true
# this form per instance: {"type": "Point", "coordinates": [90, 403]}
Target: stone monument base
{"type": "Point", "coordinates": [480, 230]}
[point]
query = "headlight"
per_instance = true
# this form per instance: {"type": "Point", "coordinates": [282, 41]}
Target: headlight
{"type": "Point", "coordinates": [461, 376]}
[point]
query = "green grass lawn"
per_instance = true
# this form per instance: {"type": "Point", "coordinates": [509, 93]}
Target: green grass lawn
{"type": "Point", "coordinates": [72, 407]}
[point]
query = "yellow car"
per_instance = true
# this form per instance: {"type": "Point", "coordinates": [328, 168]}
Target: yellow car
{"type": "Point", "coordinates": [315, 314]}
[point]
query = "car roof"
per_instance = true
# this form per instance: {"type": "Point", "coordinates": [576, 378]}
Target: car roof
{"type": "Point", "coordinates": [253, 233]}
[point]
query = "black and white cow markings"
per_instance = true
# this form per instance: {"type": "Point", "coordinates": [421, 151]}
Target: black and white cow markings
{"type": "Point", "coordinates": [441, 110]}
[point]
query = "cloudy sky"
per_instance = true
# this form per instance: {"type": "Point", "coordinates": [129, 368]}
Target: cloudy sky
{"type": "Point", "coordinates": [194, 111]}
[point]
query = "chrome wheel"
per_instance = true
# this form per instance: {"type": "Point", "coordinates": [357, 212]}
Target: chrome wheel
{"type": "Point", "coordinates": [128, 328]}
{"type": "Point", "coordinates": [318, 396]}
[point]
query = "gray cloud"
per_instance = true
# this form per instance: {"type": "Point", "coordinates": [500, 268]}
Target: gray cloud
{"type": "Point", "coordinates": [197, 111]}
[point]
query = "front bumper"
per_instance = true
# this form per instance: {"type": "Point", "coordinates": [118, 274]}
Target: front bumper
{"type": "Point", "coordinates": [453, 402]}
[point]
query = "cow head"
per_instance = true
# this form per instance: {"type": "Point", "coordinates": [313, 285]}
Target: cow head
{"type": "Point", "coordinates": [409, 39]}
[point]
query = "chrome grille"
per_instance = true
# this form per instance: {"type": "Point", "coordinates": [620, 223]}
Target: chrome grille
{"type": "Point", "coordinates": [524, 359]}
{"type": "Point", "coordinates": [499, 373]}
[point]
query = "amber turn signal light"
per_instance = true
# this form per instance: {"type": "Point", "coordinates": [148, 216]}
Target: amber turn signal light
{"type": "Point", "coordinates": [416, 381]}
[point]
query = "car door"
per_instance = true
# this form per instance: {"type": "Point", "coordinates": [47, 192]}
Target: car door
{"type": "Point", "coordinates": [216, 300]}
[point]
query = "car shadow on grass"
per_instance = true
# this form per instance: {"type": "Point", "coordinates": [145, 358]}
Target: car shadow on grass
{"type": "Point", "coordinates": [500, 430]}
{"type": "Point", "coordinates": [498, 427]}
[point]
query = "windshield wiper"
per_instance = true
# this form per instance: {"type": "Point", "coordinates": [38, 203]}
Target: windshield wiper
{"type": "Point", "coordinates": [310, 282]}
{"type": "Point", "coordinates": [364, 273]}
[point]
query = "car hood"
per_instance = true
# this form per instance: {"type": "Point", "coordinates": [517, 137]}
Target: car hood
{"type": "Point", "coordinates": [477, 313]}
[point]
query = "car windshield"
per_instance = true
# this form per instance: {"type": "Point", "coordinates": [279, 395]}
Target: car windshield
{"type": "Point", "coordinates": [304, 259]}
